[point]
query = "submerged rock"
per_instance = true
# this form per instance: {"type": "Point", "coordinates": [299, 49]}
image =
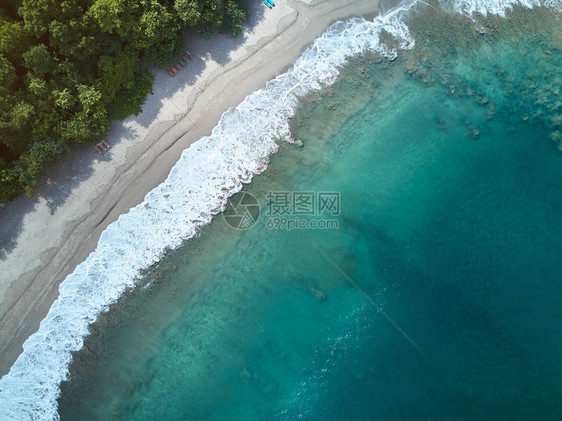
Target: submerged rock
{"type": "Point", "coordinates": [474, 133]}
{"type": "Point", "coordinates": [410, 66]}
{"type": "Point", "coordinates": [318, 293]}
{"type": "Point", "coordinates": [556, 120]}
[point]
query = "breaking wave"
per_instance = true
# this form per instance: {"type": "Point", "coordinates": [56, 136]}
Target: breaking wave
{"type": "Point", "coordinates": [499, 7]}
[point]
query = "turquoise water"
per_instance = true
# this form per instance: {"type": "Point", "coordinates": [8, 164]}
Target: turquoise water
{"type": "Point", "coordinates": [437, 294]}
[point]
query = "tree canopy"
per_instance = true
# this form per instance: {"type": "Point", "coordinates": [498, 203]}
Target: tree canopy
{"type": "Point", "coordinates": [67, 68]}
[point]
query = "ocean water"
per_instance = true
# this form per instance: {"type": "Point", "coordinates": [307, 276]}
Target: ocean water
{"type": "Point", "coordinates": [431, 291]}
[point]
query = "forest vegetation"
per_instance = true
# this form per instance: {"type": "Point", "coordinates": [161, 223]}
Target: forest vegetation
{"type": "Point", "coordinates": [67, 68]}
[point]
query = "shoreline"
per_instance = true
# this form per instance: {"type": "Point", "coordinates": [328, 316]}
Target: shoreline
{"type": "Point", "coordinates": [58, 230]}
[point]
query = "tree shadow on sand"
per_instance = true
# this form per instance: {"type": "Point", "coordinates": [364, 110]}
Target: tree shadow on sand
{"type": "Point", "coordinates": [77, 167]}
{"type": "Point", "coordinates": [12, 215]}
{"type": "Point", "coordinates": [217, 48]}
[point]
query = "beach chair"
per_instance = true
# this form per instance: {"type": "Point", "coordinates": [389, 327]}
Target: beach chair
{"type": "Point", "coordinates": [185, 58]}
{"type": "Point", "coordinates": [179, 66]}
{"type": "Point", "coordinates": [105, 143]}
{"type": "Point", "coordinates": [173, 69]}
{"type": "Point", "coordinates": [189, 55]}
{"type": "Point", "coordinates": [170, 72]}
{"type": "Point", "coordinates": [98, 149]}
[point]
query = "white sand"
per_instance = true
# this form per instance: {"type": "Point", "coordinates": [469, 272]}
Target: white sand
{"type": "Point", "coordinates": [43, 239]}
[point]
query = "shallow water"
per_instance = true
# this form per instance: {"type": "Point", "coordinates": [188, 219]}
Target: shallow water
{"type": "Point", "coordinates": [437, 295]}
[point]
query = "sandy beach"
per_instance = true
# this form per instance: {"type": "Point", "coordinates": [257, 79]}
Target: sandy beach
{"type": "Point", "coordinates": [42, 239]}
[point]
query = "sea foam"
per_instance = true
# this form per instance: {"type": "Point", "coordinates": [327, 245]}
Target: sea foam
{"type": "Point", "coordinates": [198, 186]}
{"type": "Point", "coordinates": [499, 7]}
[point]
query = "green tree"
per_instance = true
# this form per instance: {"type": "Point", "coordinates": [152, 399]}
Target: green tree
{"type": "Point", "coordinates": [114, 72]}
{"type": "Point", "coordinates": [33, 164]}
{"type": "Point", "coordinates": [47, 122]}
{"type": "Point", "coordinates": [115, 16]}
{"type": "Point", "coordinates": [7, 75]}
{"type": "Point", "coordinates": [14, 40]}
{"type": "Point", "coordinates": [157, 33]}
{"type": "Point", "coordinates": [83, 127]}
{"type": "Point", "coordinates": [36, 85]}
{"type": "Point", "coordinates": [64, 99]}
{"type": "Point", "coordinates": [38, 14]}
{"type": "Point", "coordinates": [235, 17]}
{"type": "Point", "coordinates": [38, 59]}
{"type": "Point", "coordinates": [10, 185]}
{"type": "Point", "coordinates": [132, 96]}
{"type": "Point", "coordinates": [189, 12]}
{"type": "Point", "coordinates": [89, 97]}
{"type": "Point", "coordinates": [16, 127]}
